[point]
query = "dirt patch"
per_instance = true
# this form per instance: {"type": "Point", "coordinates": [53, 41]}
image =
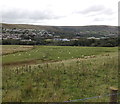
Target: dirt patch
{"type": "Point", "coordinates": [29, 62]}
{"type": "Point", "coordinates": [20, 63]}
{"type": "Point", "coordinates": [12, 50]}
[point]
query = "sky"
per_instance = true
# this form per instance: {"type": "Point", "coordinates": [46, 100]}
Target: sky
{"type": "Point", "coordinates": [60, 12]}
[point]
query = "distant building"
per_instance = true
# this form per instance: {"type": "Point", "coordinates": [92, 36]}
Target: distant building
{"type": "Point", "coordinates": [62, 39]}
{"type": "Point", "coordinates": [65, 40]}
{"type": "Point", "coordinates": [103, 37]}
{"type": "Point", "coordinates": [26, 40]}
{"type": "Point", "coordinates": [92, 38]}
{"type": "Point", "coordinates": [57, 36]}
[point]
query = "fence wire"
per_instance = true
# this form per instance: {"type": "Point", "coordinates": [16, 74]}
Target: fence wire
{"type": "Point", "coordinates": [92, 97]}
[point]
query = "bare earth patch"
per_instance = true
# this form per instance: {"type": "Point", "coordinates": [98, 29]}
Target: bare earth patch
{"type": "Point", "coordinates": [10, 49]}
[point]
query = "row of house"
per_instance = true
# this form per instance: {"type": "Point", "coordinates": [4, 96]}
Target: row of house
{"type": "Point", "coordinates": [97, 38]}
{"type": "Point", "coordinates": [19, 33]}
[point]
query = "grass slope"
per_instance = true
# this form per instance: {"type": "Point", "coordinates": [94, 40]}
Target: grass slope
{"type": "Point", "coordinates": [65, 80]}
{"type": "Point", "coordinates": [54, 53]}
{"type": "Point", "coordinates": [7, 49]}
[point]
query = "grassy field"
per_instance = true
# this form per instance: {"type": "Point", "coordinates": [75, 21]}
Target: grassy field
{"type": "Point", "coordinates": [54, 53]}
{"type": "Point", "coordinates": [7, 49]}
{"type": "Point", "coordinates": [60, 74]}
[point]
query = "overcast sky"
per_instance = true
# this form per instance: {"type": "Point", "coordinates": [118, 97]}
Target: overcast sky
{"type": "Point", "coordinates": [60, 12]}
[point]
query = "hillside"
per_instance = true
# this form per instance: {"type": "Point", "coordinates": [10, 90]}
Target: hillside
{"type": "Point", "coordinates": [94, 29]}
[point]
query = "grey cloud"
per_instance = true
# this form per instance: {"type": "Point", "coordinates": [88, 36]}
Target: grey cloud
{"type": "Point", "coordinates": [108, 11]}
{"type": "Point", "coordinates": [98, 19]}
{"type": "Point", "coordinates": [26, 15]}
{"type": "Point", "coordinates": [96, 10]}
{"type": "Point", "coordinates": [119, 7]}
{"type": "Point", "coordinates": [102, 19]}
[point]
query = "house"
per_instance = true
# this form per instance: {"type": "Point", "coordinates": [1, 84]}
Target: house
{"type": "Point", "coordinates": [26, 40]}
{"type": "Point", "coordinates": [61, 39]}
{"type": "Point", "coordinates": [92, 38]}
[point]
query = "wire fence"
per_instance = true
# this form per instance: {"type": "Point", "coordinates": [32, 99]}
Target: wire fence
{"type": "Point", "coordinates": [92, 97]}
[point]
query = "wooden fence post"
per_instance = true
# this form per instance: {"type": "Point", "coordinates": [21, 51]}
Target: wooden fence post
{"type": "Point", "coordinates": [113, 95]}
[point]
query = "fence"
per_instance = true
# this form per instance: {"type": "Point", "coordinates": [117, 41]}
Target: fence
{"type": "Point", "coordinates": [113, 96]}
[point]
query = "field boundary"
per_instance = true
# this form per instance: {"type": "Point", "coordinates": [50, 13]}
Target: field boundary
{"type": "Point", "coordinates": [92, 97]}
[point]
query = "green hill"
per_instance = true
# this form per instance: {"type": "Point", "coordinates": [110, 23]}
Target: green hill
{"type": "Point", "coordinates": [82, 30]}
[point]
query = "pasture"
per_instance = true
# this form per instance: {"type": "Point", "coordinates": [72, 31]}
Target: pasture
{"type": "Point", "coordinates": [53, 53]}
{"type": "Point", "coordinates": [11, 49]}
{"type": "Point", "coordinates": [60, 74]}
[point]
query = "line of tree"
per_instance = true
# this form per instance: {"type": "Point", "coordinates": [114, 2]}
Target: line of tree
{"type": "Point", "coordinates": [110, 42]}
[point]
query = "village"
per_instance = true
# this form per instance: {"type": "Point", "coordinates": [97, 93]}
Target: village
{"type": "Point", "coordinates": [33, 34]}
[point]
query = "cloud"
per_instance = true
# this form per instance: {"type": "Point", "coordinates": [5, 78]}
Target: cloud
{"type": "Point", "coordinates": [59, 12]}
{"type": "Point", "coordinates": [99, 19]}
{"type": "Point", "coordinates": [102, 19]}
{"type": "Point", "coordinates": [96, 10]}
{"type": "Point", "coordinates": [20, 15]}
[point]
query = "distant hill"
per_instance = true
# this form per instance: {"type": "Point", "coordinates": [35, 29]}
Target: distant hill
{"type": "Point", "coordinates": [82, 30]}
